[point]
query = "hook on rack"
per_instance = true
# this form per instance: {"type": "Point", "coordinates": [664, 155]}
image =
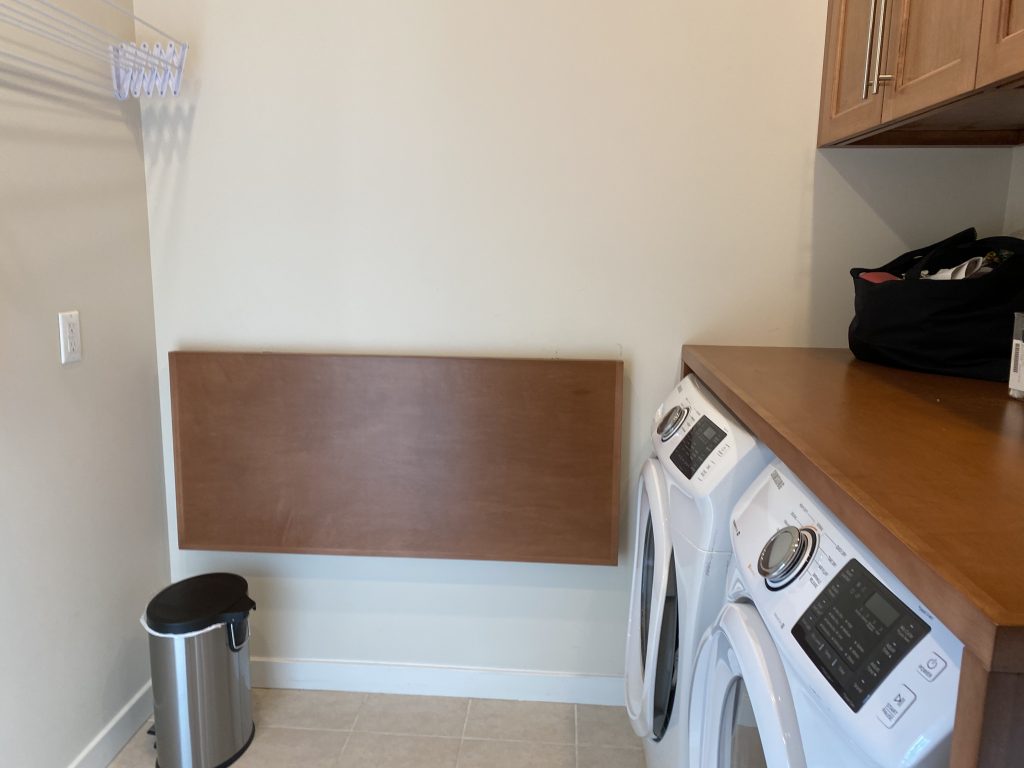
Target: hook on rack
{"type": "Point", "coordinates": [157, 71]}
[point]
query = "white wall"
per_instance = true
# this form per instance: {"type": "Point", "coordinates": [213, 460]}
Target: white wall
{"type": "Point", "coordinates": [557, 179]}
{"type": "Point", "coordinates": [1014, 219]}
{"type": "Point", "coordinates": [83, 541]}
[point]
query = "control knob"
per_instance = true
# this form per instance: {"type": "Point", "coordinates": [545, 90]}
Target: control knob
{"type": "Point", "coordinates": [672, 422]}
{"type": "Point", "coordinates": [786, 555]}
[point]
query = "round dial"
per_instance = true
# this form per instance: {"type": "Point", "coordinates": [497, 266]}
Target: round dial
{"type": "Point", "coordinates": [672, 422]}
{"type": "Point", "coordinates": [785, 555]}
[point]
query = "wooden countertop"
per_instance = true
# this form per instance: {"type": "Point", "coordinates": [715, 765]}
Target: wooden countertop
{"type": "Point", "coordinates": [927, 470]}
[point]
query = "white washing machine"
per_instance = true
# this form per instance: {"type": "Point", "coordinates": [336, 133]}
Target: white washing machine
{"type": "Point", "coordinates": [704, 460]}
{"type": "Point", "coordinates": [820, 657]}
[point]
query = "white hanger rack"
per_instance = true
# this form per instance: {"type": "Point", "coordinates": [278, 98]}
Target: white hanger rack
{"type": "Point", "coordinates": [135, 68]}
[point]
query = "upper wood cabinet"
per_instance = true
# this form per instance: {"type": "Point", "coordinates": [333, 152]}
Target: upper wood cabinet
{"type": "Point", "coordinates": [848, 105]}
{"type": "Point", "coordinates": [922, 72]}
{"type": "Point", "coordinates": [1001, 51]}
{"type": "Point", "coordinates": [933, 53]}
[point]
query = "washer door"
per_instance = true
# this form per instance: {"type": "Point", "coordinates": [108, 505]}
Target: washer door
{"type": "Point", "coordinates": [742, 712]}
{"type": "Point", "coordinates": [652, 640]}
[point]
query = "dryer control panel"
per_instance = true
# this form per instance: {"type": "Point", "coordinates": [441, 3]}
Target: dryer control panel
{"type": "Point", "coordinates": [696, 446]}
{"type": "Point", "coordinates": [708, 459]}
{"type": "Point", "coordinates": [697, 438]}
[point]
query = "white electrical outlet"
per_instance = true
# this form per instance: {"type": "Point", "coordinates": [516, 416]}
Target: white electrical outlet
{"type": "Point", "coordinates": [70, 337]}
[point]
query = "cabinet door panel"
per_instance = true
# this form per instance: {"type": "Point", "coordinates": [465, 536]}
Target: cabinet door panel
{"type": "Point", "coordinates": [844, 109]}
{"type": "Point", "coordinates": [933, 53]}
{"type": "Point", "coordinates": [1015, 15]}
{"type": "Point", "coordinates": [1001, 54]}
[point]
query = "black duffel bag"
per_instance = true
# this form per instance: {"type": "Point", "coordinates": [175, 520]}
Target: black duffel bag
{"type": "Point", "coordinates": [954, 327]}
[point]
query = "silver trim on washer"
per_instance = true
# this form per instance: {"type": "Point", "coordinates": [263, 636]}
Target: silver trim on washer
{"type": "Point", "coordinates": [672, 421]}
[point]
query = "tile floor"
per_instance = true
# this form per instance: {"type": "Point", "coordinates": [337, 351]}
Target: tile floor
{"type": "Point", "coordinates": [325, 729]}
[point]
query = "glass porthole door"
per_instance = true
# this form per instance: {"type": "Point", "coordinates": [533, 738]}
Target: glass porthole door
{"type": "Point", "coordinates": [653, 634]}
{"type": "Point", "coordinates": [742, 713]}
{"type": "Point", "coordinates": [666, 657]}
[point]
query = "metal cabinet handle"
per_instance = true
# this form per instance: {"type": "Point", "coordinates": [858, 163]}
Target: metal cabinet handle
{"type": "Point", "coordinates": [879, 78]}
{"type": "Point", "coordinates": [867, 49]}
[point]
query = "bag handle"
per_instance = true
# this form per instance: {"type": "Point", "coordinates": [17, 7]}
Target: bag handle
{"type": "Point", "coordinates": [912, 262]}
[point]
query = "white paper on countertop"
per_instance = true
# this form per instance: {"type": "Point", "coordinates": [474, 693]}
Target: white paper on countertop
{"type": "Point", "coordinates": [1017, 354]}
{"type": "Point", "coordinates": [1017, 366]}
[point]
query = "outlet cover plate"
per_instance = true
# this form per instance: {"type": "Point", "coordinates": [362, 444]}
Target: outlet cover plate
{"type": "Point", "coordinates": [70, 337]}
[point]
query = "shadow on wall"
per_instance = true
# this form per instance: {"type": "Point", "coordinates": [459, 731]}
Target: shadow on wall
{"type": "Point", "coordinates": [61, 99]}
{"type": "Point", "coordinates": [167, 127]}
{"type": "Point", "coordinates": [870, 205]}
{"type": "Point", "coordinates": [166, 134]}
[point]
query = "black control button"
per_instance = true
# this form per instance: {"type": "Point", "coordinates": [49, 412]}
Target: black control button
{"type": "Point", "coordinates": [889, 650]}
{"type": "Point", "coordinates": [827, 655]}
{"type": "Point", "coordinates": [840, 670]}
{"type": "Point", "coordinates": [905, 633]}
{"type": "Point", "coordinates": [816, 641]}
{"type": "Point", "coordinates": [874, 670]}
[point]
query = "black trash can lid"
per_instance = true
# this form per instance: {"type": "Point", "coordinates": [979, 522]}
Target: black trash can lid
{"type": "Point", "coordinates": [198, 603]}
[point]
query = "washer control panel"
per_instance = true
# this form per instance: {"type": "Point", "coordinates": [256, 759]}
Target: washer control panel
{"type": "Point", "coordinates": [850, 634]}
{"type": "Point", "coordinates": [856, 632]}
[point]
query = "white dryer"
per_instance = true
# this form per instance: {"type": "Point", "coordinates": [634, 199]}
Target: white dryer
{"type": "Point", "coordinates": [820, 658]}
{"type": "Point", "coordinates": [704, 460]}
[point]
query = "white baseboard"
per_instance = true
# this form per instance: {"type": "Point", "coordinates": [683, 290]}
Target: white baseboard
{"type": "Point", "coordinates": [431, 680]}
{"type": "Point", "coordinates": [118, 732]}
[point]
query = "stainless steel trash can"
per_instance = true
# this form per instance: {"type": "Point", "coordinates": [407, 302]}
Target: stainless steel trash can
{"type": "Point", "coordinates": [199, 657]}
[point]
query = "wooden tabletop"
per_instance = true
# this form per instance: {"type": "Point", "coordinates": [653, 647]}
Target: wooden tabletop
{"type": "Point", "coordinates": [928, 471]}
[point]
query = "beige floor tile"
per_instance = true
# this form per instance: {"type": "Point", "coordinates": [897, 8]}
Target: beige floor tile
{"type": "Point", "coordinates": [376, 750]}
{"type": "Point", "coordinates": [610, 757]}
{"type": "Point", "coordinates": [326, 710]}
{"type": "Point", "coordinates": [413, 715]}
{"type": "Point", "coordinates": [279, 747]}
{"type": "Point", "coordinates": [516, 754]}
{"type": "Point", "coordinates": [521, 721]}
{"type": "Point", "coordinates": [605, 726]}
{"type": "Point", "coordinates": [139, 752]}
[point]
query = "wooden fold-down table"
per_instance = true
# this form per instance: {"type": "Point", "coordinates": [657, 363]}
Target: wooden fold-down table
{"type": "Point", "coordinates": [929, 472]}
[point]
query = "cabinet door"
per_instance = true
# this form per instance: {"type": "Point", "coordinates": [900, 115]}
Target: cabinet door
{"type": "Point", "coordinates": [933, 53]}
{"type": "Point", "coordinates": [847, 105]}
{"type": "Point", "coordinates": [1001, 53]}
